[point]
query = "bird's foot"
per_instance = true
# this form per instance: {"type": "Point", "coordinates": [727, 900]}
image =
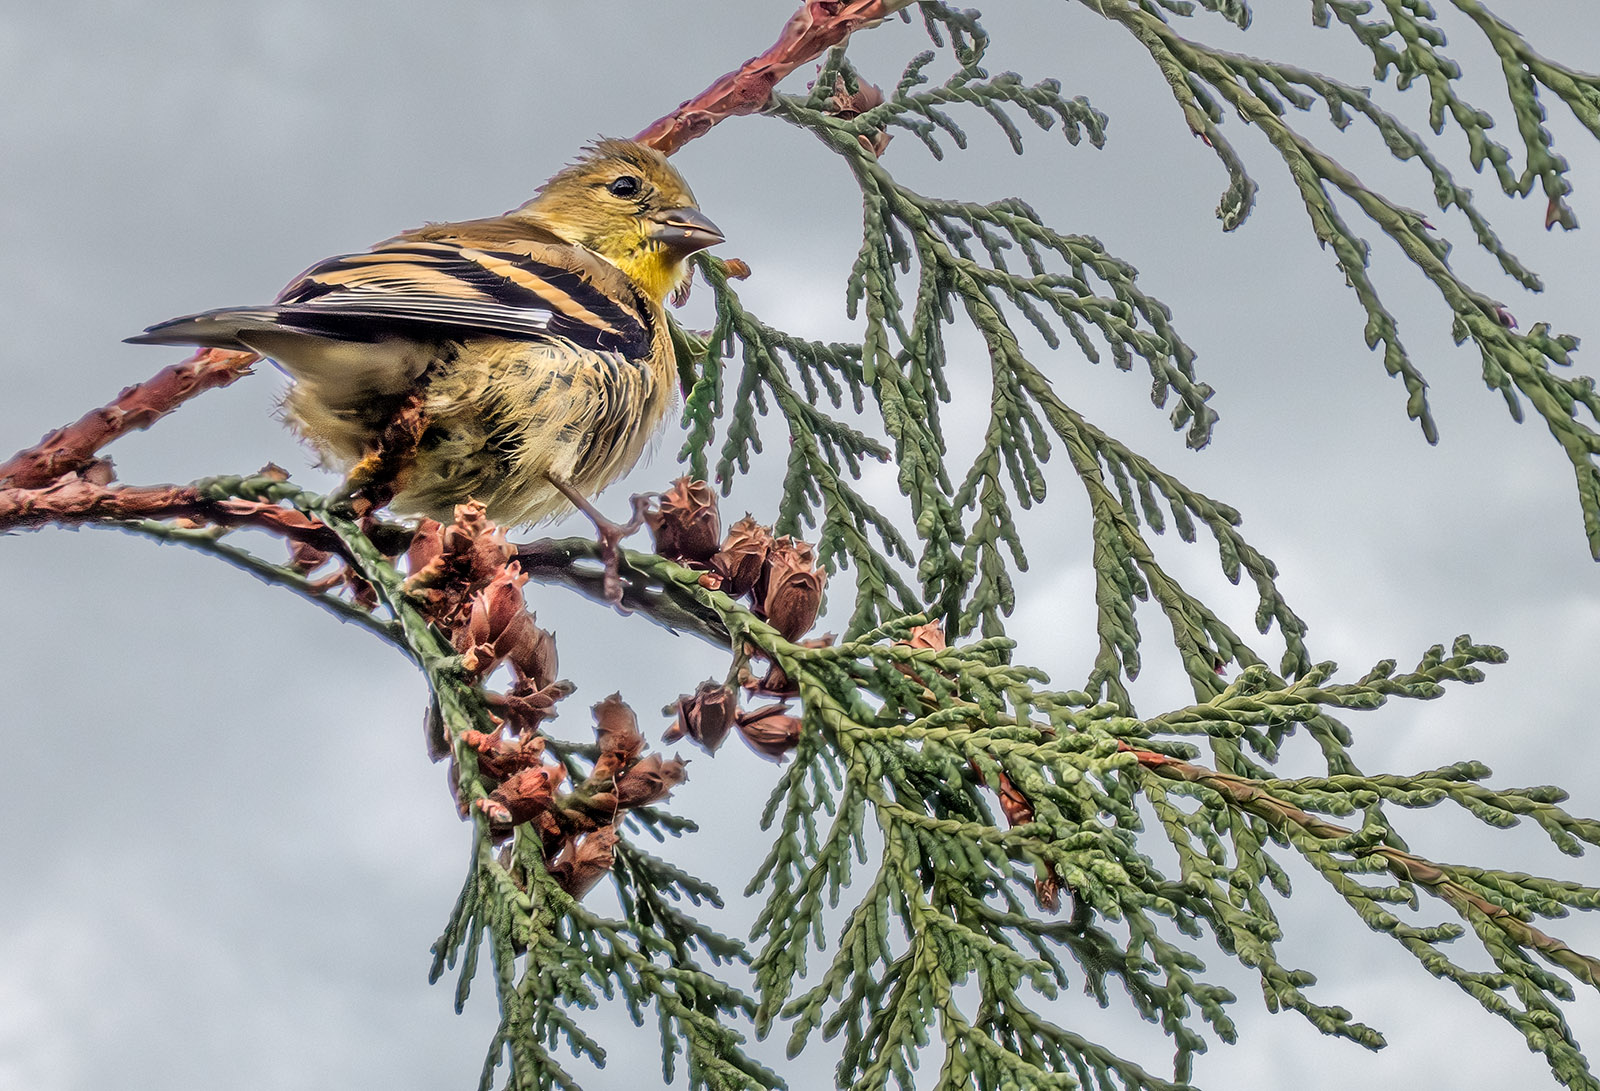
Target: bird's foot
{"type": "Point", "coordinates": [610, 535]}
{"type": "Point", "coordinates": [373, 481]}
{"type": "Point", "coordinates": [355, 495]}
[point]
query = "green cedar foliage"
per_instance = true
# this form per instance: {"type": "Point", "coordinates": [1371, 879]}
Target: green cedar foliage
{"type": "Point", "coordinates": [945, 964]}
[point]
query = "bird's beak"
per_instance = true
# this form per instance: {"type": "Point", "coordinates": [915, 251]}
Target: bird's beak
{"type": "Point", "coordinates": [683, 230]}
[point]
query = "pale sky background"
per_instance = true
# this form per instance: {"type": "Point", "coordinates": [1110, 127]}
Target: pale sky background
{"type": "Point", "coordinates": [223, 853]}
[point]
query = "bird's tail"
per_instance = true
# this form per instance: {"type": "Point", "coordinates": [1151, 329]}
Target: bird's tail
{"type": "Point", "coordinates": [219, 329]}
{"type": "Point", "coordinates": [346, 374]}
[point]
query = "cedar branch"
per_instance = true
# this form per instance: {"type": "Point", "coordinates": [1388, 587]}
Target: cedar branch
{"type": "Point", "coordinates": [74, 446]}
{"type": "Point", "coordinates": [1252, 798]}
{"type": "Point", "coordinates": [648, 585]}
{"type": "Point", "coordinates": [74, 501]}
{"type": "Point", "coordinates": [816, 27]}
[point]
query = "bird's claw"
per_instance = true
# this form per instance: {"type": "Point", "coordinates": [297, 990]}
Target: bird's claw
{"type": "Point", "coordinates": [609, 536]}
{"type": "Point", "coordinates": [356, 496]}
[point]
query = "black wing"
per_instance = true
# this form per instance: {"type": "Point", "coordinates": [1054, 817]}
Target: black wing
{"type": "Point", "coordinates": [458, 289]}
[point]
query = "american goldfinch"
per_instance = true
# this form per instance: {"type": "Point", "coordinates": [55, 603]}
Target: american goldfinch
{"type": "Point", "coordinates": [534, 344]}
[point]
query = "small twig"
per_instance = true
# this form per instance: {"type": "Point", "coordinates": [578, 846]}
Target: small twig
{"type": "Point", "coordinates": [647, 588]}
{"type": "Point", "coordinates": [74, 501]}
{"type": "Point", "coordinates": [610, 534]}
{"type": "Point", "coordinates": [74, 446]}
{"type": "Point", "coordinates": [1254, 799]}
{"type": "Point", "coordinates": [206, 540]}
{"type": "Point", "coordinates": [816, 27]}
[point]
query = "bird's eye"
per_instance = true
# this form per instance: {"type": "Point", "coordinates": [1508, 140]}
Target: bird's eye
{"type": "Point", "coordinates": [626, 186]}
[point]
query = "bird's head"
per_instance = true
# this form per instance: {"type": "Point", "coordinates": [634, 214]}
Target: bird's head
{"type": "Point", "coordinates": [625, 202]}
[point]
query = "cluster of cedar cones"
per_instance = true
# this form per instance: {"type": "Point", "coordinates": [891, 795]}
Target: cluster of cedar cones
{"type": "Point", "coordinates": [783, 583]}
{"type": "Point", "coordinates": [464, 577]}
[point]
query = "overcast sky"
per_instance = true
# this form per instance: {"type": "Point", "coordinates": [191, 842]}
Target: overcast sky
{"type": "Point", "coordinates": [223, 853]}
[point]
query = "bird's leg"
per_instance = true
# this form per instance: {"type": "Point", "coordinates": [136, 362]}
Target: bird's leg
{"type": "Point", "coordinates": [609, 533]}
{"type": "Point", "coordinates": [371, 483]}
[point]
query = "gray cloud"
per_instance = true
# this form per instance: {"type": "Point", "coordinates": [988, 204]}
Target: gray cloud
{"type": "Point", "coordinates": [224, 855]}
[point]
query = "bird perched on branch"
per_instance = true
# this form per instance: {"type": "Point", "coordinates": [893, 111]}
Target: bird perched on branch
{"type": "Point", "coordinates": [522, 361]}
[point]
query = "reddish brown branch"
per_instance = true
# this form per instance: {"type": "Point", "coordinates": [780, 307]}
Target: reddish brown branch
{"type": "Point", "coordinates": [818, 26]}
{"type": "Point", "coordinates": [73, 447]}
{"type": "Point", "coordinates": [73, 501]}
{"type": "Point", "coordinates": [1251, 798]}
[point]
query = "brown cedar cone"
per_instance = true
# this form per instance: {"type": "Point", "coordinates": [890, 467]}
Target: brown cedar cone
{"type": "Point", "coordinates": [649, 780]}
{"type": "Point", "coordinates": [791, 592]}
{"type": "Point", "coordinates": [427, 546]}
{"type": "Point", "coordinates": [774, 683]}
{"type": "Point", "coordinates": [522, 795]}
{"type": "Point", "coordinates": [537, 663]}
{"type": "Point", "coordinates": [845, 105]}
{"type": "Point", "coordinates": [362, 593]}
{"type": "Point", "coordinates": [584, 862]}
{"type": "Point", "coordinates": [743, 556]}
{"type": "Point", "coordinates": [617, 729]}
{"type": "Point", "coordinates": [306, 559]}
{"type": "Point", "coordinates": [481, 546]}
{"type": "Point", "coordinates": [523, 708]}
{"type": "Point", "coordinates": [930, 635]}
{"type": "Point", "coordinates": [1013, 804]}
{"type": "Point", "coordinates": [1047, 891]}
{"type": "Point", "coordinates": [769, 732]}
{"type": "Point", "coordinates": [498, 626]}
{"type": "Point", "coordinates": [705, 716]}
{"type": "Point", "coordinates": [500, 758]}
{"type": "Point", "coordinates": [448, 562]}
{"type": "Point", "coordinates": [686, 527]}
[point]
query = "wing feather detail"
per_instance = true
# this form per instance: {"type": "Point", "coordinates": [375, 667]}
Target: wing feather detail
{"type": "Point", "coordinates": [453, 288]}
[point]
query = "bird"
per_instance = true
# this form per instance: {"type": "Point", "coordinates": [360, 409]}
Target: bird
{"type": "Point", "coordinates": [526, 357]}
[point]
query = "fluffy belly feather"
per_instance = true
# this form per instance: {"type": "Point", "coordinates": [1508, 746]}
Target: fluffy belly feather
{"type": "Point", "coordinates": [501, 417]}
